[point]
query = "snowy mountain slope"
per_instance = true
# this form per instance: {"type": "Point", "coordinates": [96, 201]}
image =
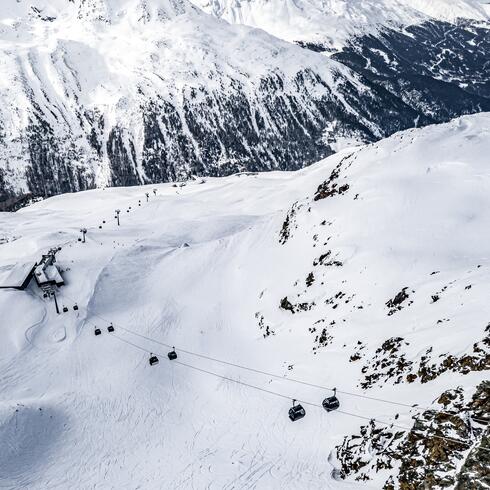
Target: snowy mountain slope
{"type": "Point", "coordinates": [432, 65]}
{"type": "Point", "coordinates": [123, 93]}
{"type": "Point", "coordinates": [334, 22]}
{"type": "Point", "coordinates": [287, 272]}
{"type": "Point", "coordinates": [432, 55]}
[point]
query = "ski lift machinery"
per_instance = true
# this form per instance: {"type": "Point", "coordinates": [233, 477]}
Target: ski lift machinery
{"type": "Point", "coordinates": [153, 360]}
{"type": "Point", "coordinates": [296, 412]}
{"type": "Point", "coordinates": [331, 402]}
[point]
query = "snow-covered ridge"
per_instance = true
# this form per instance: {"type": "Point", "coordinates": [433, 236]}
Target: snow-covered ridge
{"type": "Point", "coordinates": [295, 273]}
{"type": "Point", "coordinates": [120, 93]}
{"type": "Point", "coordinates": [333, 22]}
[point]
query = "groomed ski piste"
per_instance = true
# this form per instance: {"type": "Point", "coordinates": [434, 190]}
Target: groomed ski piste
{"type": "Point", "coordinates": [204, 266]}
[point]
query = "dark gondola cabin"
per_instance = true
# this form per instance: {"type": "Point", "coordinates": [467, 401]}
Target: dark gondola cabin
{"type": "Point", "coordinates": [110, 328]}
{"type": "Point", "coordinates": [331, 403]}
{"type": "Point", "coordinates": [75, 307]}
{"type": "Point", "coordinates": [65, 309]}
{"type": "Point", "coordinates": [172, 355]}
{"type": "Point", "coordinates": [153, 360]}
{"type": "Point", "coordinates": [296, 412]}
{"type": "Point", "coordinates": [97, 331]}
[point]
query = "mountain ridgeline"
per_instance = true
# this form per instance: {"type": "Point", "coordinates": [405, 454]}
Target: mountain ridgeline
{"type": "Point", "coordinates": [116, 93]}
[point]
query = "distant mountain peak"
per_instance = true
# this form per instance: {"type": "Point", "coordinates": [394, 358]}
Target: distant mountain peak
{"type": "Point", "coordinates": [334, 21]}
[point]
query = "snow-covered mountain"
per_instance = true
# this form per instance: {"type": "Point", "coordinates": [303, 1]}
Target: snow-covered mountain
{"type": "Point", "coordinates": [368, 272]}
{"type": "Point", "coordinates": [125, 92]}
{"type": "Point", "coordinates": [335, 22]}
{"type": "Point", "coordinates": [120, 92]}
{"type": "Point", "coordinates": [433, 55]}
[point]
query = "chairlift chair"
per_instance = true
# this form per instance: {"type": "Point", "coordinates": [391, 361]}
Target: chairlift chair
{"type": "Point", "coordinates": [296, 412]}
{"type": "Point", "coordinates": [153, 360]}
{"type": "Point", "coordinates": [97, 331]}
{"type": "Point", "coordinates": [172, 355]}
{"type": "Point", "coordinates": [331, 402]}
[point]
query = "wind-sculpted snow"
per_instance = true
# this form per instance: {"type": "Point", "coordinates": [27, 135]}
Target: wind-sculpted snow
{"type": "Point", "coordinates": [367, 271]}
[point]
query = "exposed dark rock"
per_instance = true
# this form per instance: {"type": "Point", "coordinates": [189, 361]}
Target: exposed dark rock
{"type": "Point", "coordinates": [310, 279]}
{"type": "Point", "coordinates": [433, 453]}
{"type": "Point", "coordinates": [395, 304]}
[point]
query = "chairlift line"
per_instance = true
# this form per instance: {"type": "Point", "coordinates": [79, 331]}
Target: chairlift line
{"type": "Point", "coordinates": [298, 408]}
{"type": "Point", "coordinates": [276, 376]}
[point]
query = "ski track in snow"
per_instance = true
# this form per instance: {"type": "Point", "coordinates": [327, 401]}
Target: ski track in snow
{"type": "Point", "coordinates": [93, 414]}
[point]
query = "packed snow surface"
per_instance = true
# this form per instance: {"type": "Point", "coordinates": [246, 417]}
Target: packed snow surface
{"type": "Point", "coordinates": [197, 266]}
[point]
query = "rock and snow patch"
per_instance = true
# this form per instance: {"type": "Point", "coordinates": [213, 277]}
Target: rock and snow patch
{"type": "Point", "coordinates": [414, 216]}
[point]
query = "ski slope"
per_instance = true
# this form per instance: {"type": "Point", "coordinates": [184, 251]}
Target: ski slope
{"type": "Point", "coordinates": [85, 411]}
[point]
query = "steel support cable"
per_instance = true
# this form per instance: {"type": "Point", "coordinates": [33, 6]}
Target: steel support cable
{"type": "Point", "coordinates": [276, 376]}
{"type": "Point", "coordinates": [287, 397]}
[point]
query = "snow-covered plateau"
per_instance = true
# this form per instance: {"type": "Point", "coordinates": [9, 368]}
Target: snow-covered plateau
{"type": "Point", "coordinates": [367, 272]}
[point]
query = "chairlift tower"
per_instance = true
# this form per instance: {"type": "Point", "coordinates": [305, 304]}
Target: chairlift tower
{"type": "Point", "coordinates": [117, 216]}
{"type": "Point", "coordinates": [83, 231]}
{"type": "Point", "coordinates": [147, 194]}
{"type": "Point", "coordinates": [154, 192]}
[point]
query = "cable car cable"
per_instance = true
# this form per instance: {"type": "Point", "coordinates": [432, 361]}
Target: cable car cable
{"type": "Point", "coordinates": [350, 414]}
{"type": "Point", "coordinates": [273, 375]}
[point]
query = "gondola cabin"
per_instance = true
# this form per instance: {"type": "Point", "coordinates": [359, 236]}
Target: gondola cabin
{"type": "Point", "coordinates": [65, 309]}
{"type": "Point", "coordinates": [97, 331]}
{"type": "Point", "coordinates": [172, 355]}
{"type": "Point", "coordinates": [296, 412]}
{"type": "Point", "coordinates": [331, 403]}
{"type": "Point", "coordinates": [110, 328]}
{"type": "Point", "coordinates": [153, 360]}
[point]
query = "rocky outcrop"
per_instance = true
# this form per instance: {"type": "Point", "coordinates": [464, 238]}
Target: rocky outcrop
{"type": "Point", "coordinates": [445, 447]}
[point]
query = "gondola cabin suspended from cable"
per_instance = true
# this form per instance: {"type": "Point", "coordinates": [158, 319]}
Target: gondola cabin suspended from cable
{"type": "Point", "coordinates": [296, 412]}
{"type": "Point", "coordinates": [153, 360]}
{"type": "Point", "coordinates": [65, 309]}
{"type": "Point", "coordinates": [110, 328]}
{"type": "Point", "coordinates": [97, 331]}
{"type": "Point", "coordinates": [75, 307]}
{"type": "Point", "coordinates": [172, 355]}
{"type": "Point", "coordinates": [331, 402]}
